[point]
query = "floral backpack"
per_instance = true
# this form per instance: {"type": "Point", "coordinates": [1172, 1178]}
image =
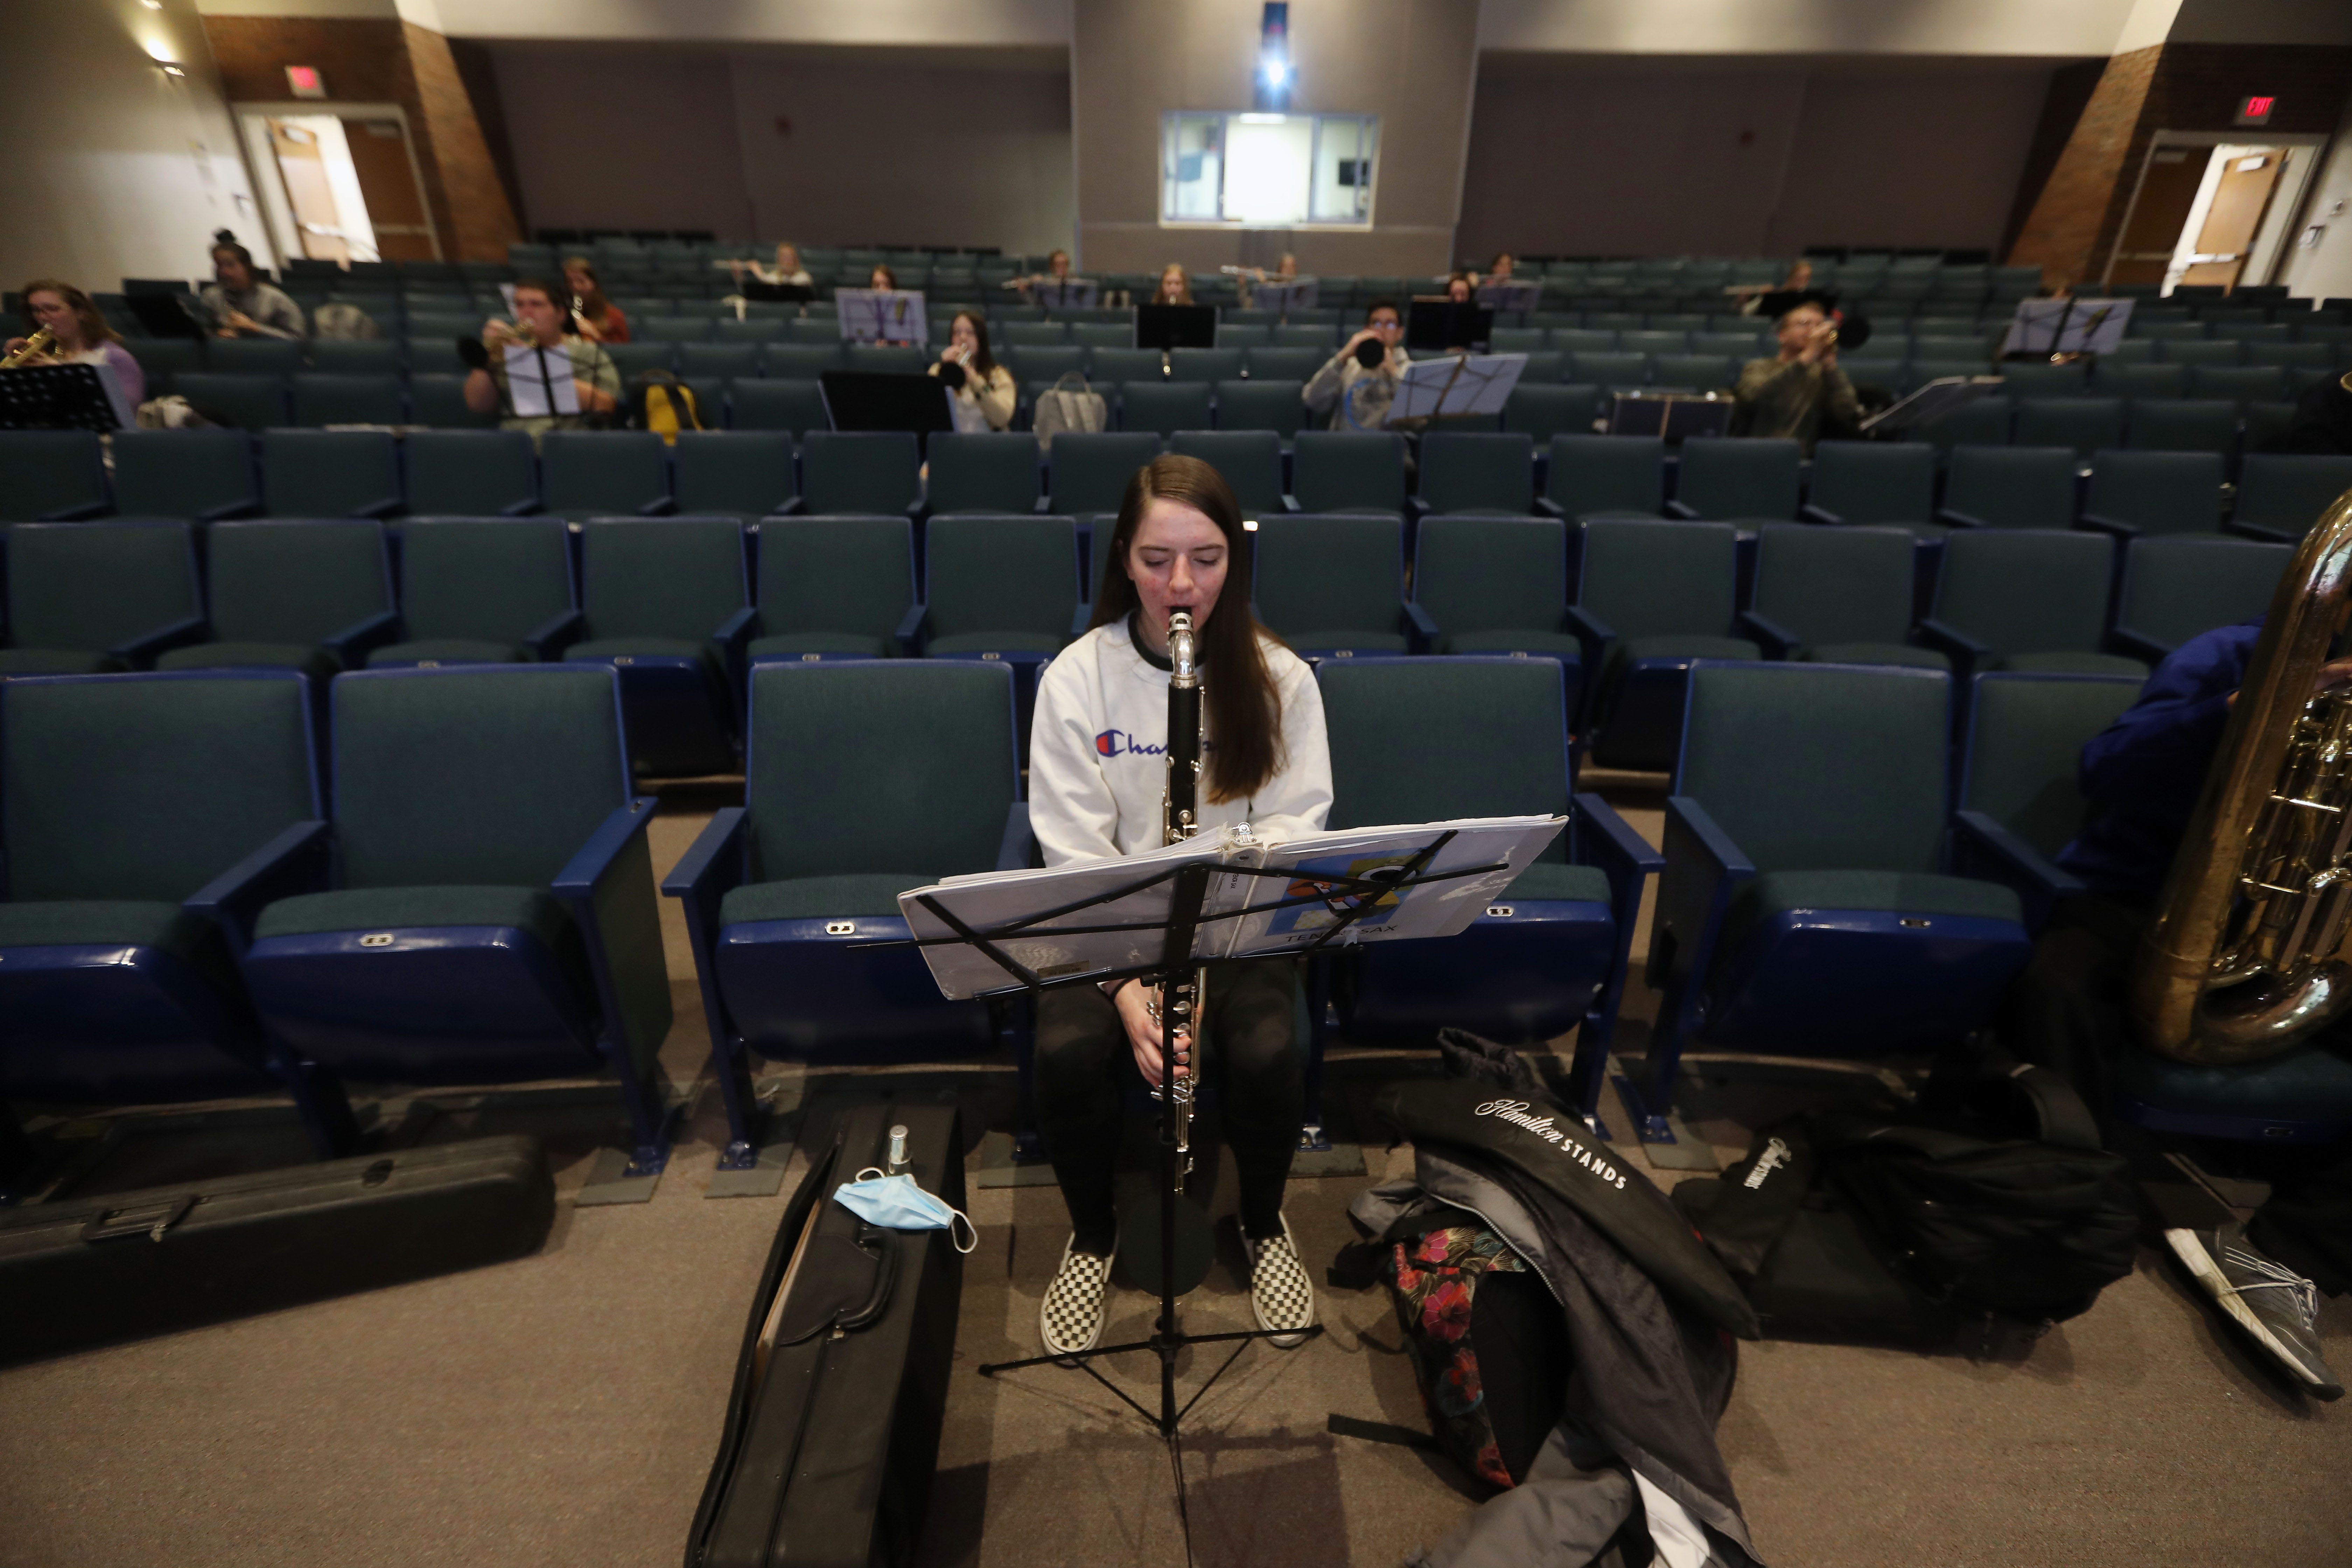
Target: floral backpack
{"type": "Point", "coordinates": [1462, 1292]}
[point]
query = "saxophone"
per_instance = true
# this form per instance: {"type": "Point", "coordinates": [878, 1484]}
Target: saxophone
{"type": "Point", "coordinates": [2251, 952]}
{"type": "Point", "coordinates": [36, 347]}
{"type": "Point", "coordinates": [1180, 820]}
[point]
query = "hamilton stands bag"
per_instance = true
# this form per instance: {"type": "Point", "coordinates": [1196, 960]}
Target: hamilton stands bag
{"type": "Point", "coordinates": [1992, 1197]}
{"type": "Point", "coordinates": [832, 1428]}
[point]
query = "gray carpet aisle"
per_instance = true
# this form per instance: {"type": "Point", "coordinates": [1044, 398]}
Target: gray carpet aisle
{"type": "Point", "coordinates": [563, 1410]}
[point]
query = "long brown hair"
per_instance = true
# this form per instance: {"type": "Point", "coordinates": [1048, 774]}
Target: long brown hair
{"type": "Point", "coordinates": [94, 329]}
{"type": "Point", "coordinates": [592, 304]}
{"type": "Point", "coordinates": [1183, 295]}
{"type": "Point", "coordinates": [1245, 710]}
{"type": "Point", "coordinates": [982, 359]}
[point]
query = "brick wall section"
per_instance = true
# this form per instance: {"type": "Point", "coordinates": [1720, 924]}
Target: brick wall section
{"type": "Point", "coordinates": [2175, 86]}
{"type": "Point", "coordinates": [373, 61]}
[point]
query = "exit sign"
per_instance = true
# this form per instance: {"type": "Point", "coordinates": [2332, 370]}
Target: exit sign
{"type": "Point", "coordinates": [2255, 111]}
{"type": "Point", "coordinates": [304, 81]}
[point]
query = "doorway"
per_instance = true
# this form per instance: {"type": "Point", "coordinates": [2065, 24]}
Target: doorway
{"type": "Point", "coordinates": [346, 185]}
{"type": "Point", "coordinates": [2210, 213]}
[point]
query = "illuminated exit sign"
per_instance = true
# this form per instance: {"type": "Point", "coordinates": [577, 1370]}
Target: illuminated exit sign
{"type": "Point", "coordinates": [2255, 111]}
{"type": "Point", "coordinates": [304, 81]}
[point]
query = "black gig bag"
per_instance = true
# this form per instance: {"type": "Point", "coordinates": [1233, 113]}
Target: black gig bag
{"type": "Point", "coordinates": [80, 1272]}
{"type": "Point", "coordinates": [833, 1426]}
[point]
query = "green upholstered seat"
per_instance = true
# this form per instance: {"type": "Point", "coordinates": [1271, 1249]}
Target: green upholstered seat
{"type": "Point", "coordinates": [1599, 474]}
{"type": "Point", "coordinates": [743, 472]}
{"type": "Point", "coordinates": [1683, 646]}
{"type": "Point", "coordinates": [2174, 589]}
{"type": "Point", "coordinates": [1876, 481]}
{"type": "Point", "coordinates": [2025, 748]}
{"type": "Point", "coordinates": [109, 923]}
{"type": "Point", "coordinates": [2072, 664]}
{"type": "Point", "coordinates": [474, 589]}
{"type": "Point", "coordinates": [1493, 584]}
{"type": "Point", "coordinates": [587, 473]}
{"type": "Point", "coordinates": [1901, 654]}
{"type": "Point", "coordinates": [836, 897]}
{"type": "Point", "coordinates": [1559, 880]}
{"type": "Point", "coordinates": [381, 909]}
{"type": "Point", "coordinates": [645, 647]}
{"type": "Point", "coordinates": [872, 471]}
{"type": "Point", "coordinates": [1332, 581]}
{"type": "Point", "coordinates": [1746, 478]}
{"type": "Point", "coordinates": [1558, 644]}
{"type": "Point", "coordinates": [992, 471]}
{"type": "Point", "coordinates": [996, 642]}
{"type": "Point", "coordinates": [278, 590]}
{"type": "Point", "coordinates": [2028, 592]}
{"type": "Point", "coordinates": [659, 585]}
{"type": "Point", "coordinates": [1843, 588]}
{"type": "Point", "coordinates": [85, 589]}
{"type": "Point", "coordinates": [2310, 1083]}
{"type": "Point", "coordinates": [2012, 487]}
{"type": "Point", "coordinates": [54, 661]}
{"type": "Point", "coordinates": [834, 584]}
{"type": "Point", "coordinates": [1477, 472]}
{"type": "Point", "coordinates": [1348, 471]}
{"type": "Point", "coordinates": [315, 662]}
{"type": "Point", "coordinates": [1000, 582]}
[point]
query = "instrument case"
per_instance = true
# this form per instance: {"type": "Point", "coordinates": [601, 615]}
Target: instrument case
{"type": "Point", "coordinates": [80, 1272]}
{"type": "Point", "coordinates": [833, 1426]}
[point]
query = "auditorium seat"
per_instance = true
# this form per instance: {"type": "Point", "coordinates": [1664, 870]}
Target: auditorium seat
{"type": "Point", "coordinates": [670, 329]}
{"type": "Point", "coordinates": [1437, 739]}
{"type": "Point", "coordinates": [835, 587]}
{"type": "Point", "coordinates": [2025, 379]}
{"type": "Point", "coordinates": [56, 476]}
{"type": "Point", "coordinates": [1497, 584]}
{"type": "Point", "coordinates": [309, 596]}
{"type": "Point", "coordinates": [2026, 599]}
{"type": "Point", "coordinates": [130, 798]}
{"type": "Point", "coordinates": [1045, 362]}
{"type": "Point", "coordinates": [1605, 476]}
{"type": "Point", "coordinates": [2010, 487]}
{"type": "Point", "coordinates": [2201, 351]}
{"type": "Point", "coordinates": [2134, 383]}
{"type": "Point", "coordinates": [1276, 407]}
{"type": "Point", "coordinates": [1610, 371]}
{"type": "Point", "coordinates": [1837, 596]}
{"type": "Point", "coordinates": [1540, 411]}
{"type": "Point", "coordinates": [892, 359]}
{"type": "Point", "coordinates": [2084, 425]}
{"type": "Point", "coordinates": [1026, 334]}
{"type": "Point", "coordinates": [1124, 364]}
{"type": "Point", "coordinates": [517, 938]}
{"type": "Point", "coordinates": [1088, 471]}
{"type": "Point", "coordinates": [1333, 586]}
{"type": "Point", "coordinates": [753, 329]}
{"type": "Point", "coordinates": [664, 604]}
{"type": "Point", "coordinates": [872, 471]}
{"type": "Point", "coordinates": [322, 399]}
{"type": "Point", "coordinates": [1117, 334]}
{"type": "Point", "coordinates": [583, 473]}
{"type": "Point", "coordinates": [743, 474]}
{"type": "Point", "coordinates": [1982, 422]}
{"type": "Point", "coordinates": [812, 332]}
{"type": "Point", "coordinates": [2155, 493]}
{"type": "Point", "coordinates": [329, 473]}
{"type": "Point", "coordinates": [470, 473]}
{"type": "Point", "coordinates": [87, 597]}
{"type": "Point", "coordinates": [438, 401]}
{"type": "Point", "coordinates": [1001, 590]}
{"type": "Point", "coordinates": [482, 591]}
{"type": "Point", "coordinates": [353, 356]}
{"type": "Point", "coordinates": [2019, 801]}
{"type": "Point", "coordinates": [994, 471]}
{"type": "Point", "coordinates": [2281, 496]}
{"type": "Point", "coordinates": [1745, 478]}
{"type": "Point", "coordinates": [1293, 364]}
{"type": "Point", "coordinates": [2175, 588]}
{"type": "Point", "coordinates": [1806, 906]}
{"type": "Point", "coordinates": [861, 780]}
{"type": "Point", "coordinates": [1305, 335]}
{"type": "Point", "coordinates": [1476, 473]}
{"type": "Point", "coordinates": [1875, 482]}
{"type": "Point", "coordinates": [1348, 471]}
{"type": "Point", "coordinates": [1250, 461]}
{"type": "Point", "coordinates": [1164, 407]}
{"type": "Point", "coordinates": [253, 356]}
{"type": "Point", "coordinates": [200, 475]}
{"type": "Point", "coordinates": [1651, 598]}
{"type": "Point", "coordinates": [725, 360]}
{"type": "Point", "coordinates": [800, 362]}
{"type": "Point", "coordinates": [164, 360]}
{"type": "Point", "coordinates": [247, 402]}
{"type": "Point", "coordinates": [1204, 364]}
{"type": "Point", "coordinates": [1700, 373]}
{"type": "Point", "coordinates": [2239, 384]}
{"type": "Point", "coordinates": [794, 406]}
{"type": "Point", "coordinates": [439, 356]}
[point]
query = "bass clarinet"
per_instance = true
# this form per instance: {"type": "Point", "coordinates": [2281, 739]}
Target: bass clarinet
{"type": "Point", "coordinates": [1180, 820]}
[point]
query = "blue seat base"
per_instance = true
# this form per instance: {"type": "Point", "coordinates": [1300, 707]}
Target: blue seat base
{"type": "Point", "coordinates": [1823, 983]}
{"type": "Point", "coordinates": [1524, 976]}
{"type": "Point", "coordinates": [2301, 1097]}
{"type": "Point", "coordinates": [425, 1004]}
{"type": "Point", "coordinates": [109, 1023]}
{"type": "Point", "coordinates": [809, 990]}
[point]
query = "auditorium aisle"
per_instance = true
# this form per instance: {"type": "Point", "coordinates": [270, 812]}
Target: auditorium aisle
{"type": "Point", "coordinates": [563, 1410]}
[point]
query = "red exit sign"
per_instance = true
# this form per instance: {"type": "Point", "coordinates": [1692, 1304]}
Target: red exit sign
{"type": "Point", "coordinates": [2255, 111]}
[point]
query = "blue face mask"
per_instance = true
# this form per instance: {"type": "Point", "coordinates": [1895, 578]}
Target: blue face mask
{"type": "Point", "coordinates": [897, 1204]}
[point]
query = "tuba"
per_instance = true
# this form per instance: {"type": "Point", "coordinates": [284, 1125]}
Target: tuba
{"type": "Point", "coordinates": [2251, 950]}
{"type": "Point", "coordinates": [1180, 820]}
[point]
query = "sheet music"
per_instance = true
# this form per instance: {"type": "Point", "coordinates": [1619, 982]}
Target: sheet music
{"type": "Point", "coordinates": [2068, 326]}
{"type": "Point", "coordinates": [1455, 383]}
{"type": "Point", "coordinates": [882, 315]}
{"type": "Point", "coordinates": [1066, 946]}
{"type": "Point", "coordinates": [539, 382]}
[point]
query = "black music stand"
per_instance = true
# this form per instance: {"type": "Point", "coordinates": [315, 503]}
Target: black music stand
{"type": "Point", "coordinates": [886, 400]}
{"type": "Point", "coordinates": [1436, 325]}
{"type": "Point", "coordinates": [1351, 899]}
{"type": "Point", "coordinates": [1165, 327]}
{"type": "Point", "coordinates": [63, 398]}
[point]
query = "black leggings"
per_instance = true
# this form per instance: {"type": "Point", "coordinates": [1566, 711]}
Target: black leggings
{"type": "Point", "coordinates": [1250, 1052]}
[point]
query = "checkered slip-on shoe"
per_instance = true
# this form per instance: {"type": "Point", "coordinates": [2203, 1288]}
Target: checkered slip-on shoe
{"type": "Point", "coordinates": [1070, 1318]}
{"type": "Point", "coordinates": [1280, 1292]}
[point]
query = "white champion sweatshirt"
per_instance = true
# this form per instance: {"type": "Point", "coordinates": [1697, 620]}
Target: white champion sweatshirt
{"type": "Point", "coordinates": [1098, 752]}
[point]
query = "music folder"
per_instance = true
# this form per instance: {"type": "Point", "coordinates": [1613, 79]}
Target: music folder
{"type": "Point", "coordinates": [1103, 917]}
{"type": "Point", "coordinates": [1454, 385]}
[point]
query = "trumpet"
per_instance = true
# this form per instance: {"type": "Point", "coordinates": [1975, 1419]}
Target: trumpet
{"type": "Point", "coordinates": [1180, 820]}
{"type": "Point", "coordinates": [36, 347]}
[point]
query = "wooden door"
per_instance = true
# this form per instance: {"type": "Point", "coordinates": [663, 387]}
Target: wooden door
{"type": "Point", "coordinates": [2239, 199]}
{"type": "Point", "coordinates": [2167, 189]}
{"type": "Point", "coordinates": [388, 184]}
{"type": "Point", "coordinates": [304, 169]}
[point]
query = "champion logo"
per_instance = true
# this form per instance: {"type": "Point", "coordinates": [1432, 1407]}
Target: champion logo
{"type": "Point", "coordinates": [1119, 743]}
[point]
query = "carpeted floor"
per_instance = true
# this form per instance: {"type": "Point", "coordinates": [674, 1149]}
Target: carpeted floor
{"type": "Point", "coordinates": [563, 1409]}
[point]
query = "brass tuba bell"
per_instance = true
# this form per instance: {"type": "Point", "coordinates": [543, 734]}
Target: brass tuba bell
{"type": "Point", "coordinates": [2251, 950]}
